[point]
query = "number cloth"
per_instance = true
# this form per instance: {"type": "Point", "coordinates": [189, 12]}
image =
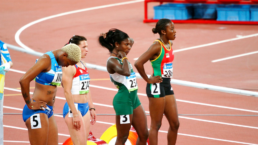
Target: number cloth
{"type": "Point", "coordinates": [163, 64]}
{"type": "Point", "coordinates": [81, 81]}
{"type": "Point", "coordinates": [82, 107]}
{"type": "Point", "coordinates": [126, 98]}
{"type": "Point", "coordinates": [5, 56]}
{"type": "Point", "coordinates": [159, 89]}
{"type": "Point", "coordinates": [27, 113]}
{"type": "Point", "coordinates": [54, 76]}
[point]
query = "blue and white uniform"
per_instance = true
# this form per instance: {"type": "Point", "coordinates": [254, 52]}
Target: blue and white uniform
{"type": "Point", "coordinates": [81, 82]}
{"type": "Point", "coordinates": [52, 78]}
{"type": "Point", "coordinates": [5, 56]}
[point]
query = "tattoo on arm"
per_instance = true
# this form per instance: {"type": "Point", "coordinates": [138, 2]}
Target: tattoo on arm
{"type": "Point", "coordinates": [49, 92]}
{"type": "Point", "coordinates": [25, 96]}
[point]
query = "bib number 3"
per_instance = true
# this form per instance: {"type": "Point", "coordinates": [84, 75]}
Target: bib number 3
{"type": "Point", "coordinates": [124, 119]}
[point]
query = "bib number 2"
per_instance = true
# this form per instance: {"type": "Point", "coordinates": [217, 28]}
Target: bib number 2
{"type": "Point", "coordinates": [85, 85]}
{"type": "Point", "coordinates": [131, 82]}
{"type": "Point", "coordinates": [155, 89]}
{"type": "Point", "coordinates": [168, 70]}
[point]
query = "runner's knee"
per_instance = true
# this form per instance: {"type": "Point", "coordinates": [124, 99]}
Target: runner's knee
{"type": "Point", "coordinates": [174, 126]}
{"type": "Point", "coordinates": [144, 136]}
{"type": "Point", "coordinates": [156, 125]}
{"type": "Point", "coordinates": [123, 138]}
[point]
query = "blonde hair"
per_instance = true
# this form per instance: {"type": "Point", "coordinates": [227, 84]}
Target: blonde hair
{"type": "Point", "coordinates": [73, 51]}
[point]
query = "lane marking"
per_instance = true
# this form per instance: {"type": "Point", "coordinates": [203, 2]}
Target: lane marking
{"type": "Point", "coordinates": [236, 56]}
{"type": "Point", "coordinates": [104, 79]}
{"type": "Point", "coordinates": [18, 33]}
{"type": "Point", "coordinates": [12, 94]}
{"type": "Point", "coordinates": [223, 140]}
{"type": "Point", "coordinates": [12, 141]}
{"type": "Point", "coordinates": [141, 94]}
{"type": "Point", "coordinates": [20, 128]}
{"type": "Point", "coordinates": [213, 43]}
{"type": "Point", "coordinates": [183, 134]}
{"type": "Point", "coordinates": [189, 118]}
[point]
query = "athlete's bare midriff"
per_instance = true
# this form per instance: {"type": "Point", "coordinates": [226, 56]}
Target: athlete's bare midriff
{"type": "Point", "coordinates": [44, 93]}
{"type": "Point", "coordinates": [80, 98]}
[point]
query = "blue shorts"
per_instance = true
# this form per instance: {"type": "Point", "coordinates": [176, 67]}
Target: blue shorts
{"type": "Point", "coordinates": [82, 107]}
{"type": "Point", "coordinates": [27, 113]}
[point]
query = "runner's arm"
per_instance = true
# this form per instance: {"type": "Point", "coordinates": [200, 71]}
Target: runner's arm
{"type": "Point", "coordinates": [42, 65]}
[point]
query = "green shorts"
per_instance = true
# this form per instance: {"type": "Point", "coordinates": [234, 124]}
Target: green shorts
{"type": "Point", "coordinates": [124, 102]}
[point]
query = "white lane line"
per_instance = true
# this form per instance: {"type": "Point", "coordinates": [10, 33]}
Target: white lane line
{"type": "Point", "coordinates": [213, 43]}
{"type": "Point", "coordinates": [217, 106]}
{"type": "Point", "coordinates": [223, 140]}
{"type": "Point", "coordinates": [20, 128]}
{"type": "Point", "coordinates": [215, 122]}
{"type": "Point", "coordinates": [19, 109]}
{"type": "Point", "coordinates": [18, 33]}
{"type": "Point", "coordinates": [236, 56]}
{"type": "Point", "coordinates": [185, 101]}
{"type": "Point", "coordinates": [162, 131]}
{"type": "Point", "coordinates": [12, 141]}
{"type": "Point", "coordinates": [218, 42]}
{"type": "Point", "coordinates": [189, 118]}
{"type": "Point", "coordinates": [141, 94]}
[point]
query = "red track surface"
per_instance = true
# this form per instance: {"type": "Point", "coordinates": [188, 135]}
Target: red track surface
{"type": "Point", "coordinates": [191, 65]}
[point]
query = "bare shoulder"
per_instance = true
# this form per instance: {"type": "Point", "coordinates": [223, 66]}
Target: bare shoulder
{"type": "Point", "coordinates": [155, 46]}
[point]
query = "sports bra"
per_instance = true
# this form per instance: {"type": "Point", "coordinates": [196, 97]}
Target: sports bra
{"type": "Point", "coordinates": [163, 64]}
{"type": "Point", "coordinates": [54, 76]}
{"type": "Point", "coordinates": [128, 81]}
{"type": "Point", "coordinates": [81, 81]}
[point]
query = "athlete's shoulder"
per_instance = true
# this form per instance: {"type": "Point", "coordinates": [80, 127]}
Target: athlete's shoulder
{"type": "Point", "coordinates": [3, 46]}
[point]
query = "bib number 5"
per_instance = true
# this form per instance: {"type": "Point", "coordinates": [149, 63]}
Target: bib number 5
{"type": "Point", "coordinates": [35, 121]}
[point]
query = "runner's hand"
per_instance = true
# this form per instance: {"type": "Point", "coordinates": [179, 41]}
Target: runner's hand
{"type": "Point", "coordinates": [93, 116]}
{"type": "Point", "coordinates": [36, 105]}
{"type": "Point", "coordinates": [121, 54]}
{"type": "Point", "coordinates": [153, 80]}
{"type": "Point", "coordinates": [76, 121]}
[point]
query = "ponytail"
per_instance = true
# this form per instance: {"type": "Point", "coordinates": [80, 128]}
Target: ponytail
{"type": "Point", "coordinates": [109, 39]}
{"type": "Point", "coordinates": [76, 39]}
{"type": "Point", "coordinates": [161, 25]}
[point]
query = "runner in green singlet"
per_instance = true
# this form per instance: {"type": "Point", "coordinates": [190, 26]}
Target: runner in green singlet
{"type": "Point", "coordinates": [126, 102]}
{"type": "Point", "coordinates": [161, 95]}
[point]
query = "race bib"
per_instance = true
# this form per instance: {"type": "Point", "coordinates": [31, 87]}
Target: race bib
{"type": "Point", "coordinates": [58, 77]}
{"type": "Point", "coordinates": [131, 82]}
{"type": "Point", "coordinates": [70, 113]}
{"type": "Point", "coordinates": [167, 70]}
{"type": "Point", "coordinates": [35, 121]}
{"type": "Point", "coordinates": [84, 83]}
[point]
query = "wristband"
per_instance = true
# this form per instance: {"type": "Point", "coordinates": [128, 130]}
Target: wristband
{"type": "Point", "coordinates": [124, 58]}
{"type": "Point", "coordinates": [92, 108]}
{"type": "Point", "coordinates": [7, 66]}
